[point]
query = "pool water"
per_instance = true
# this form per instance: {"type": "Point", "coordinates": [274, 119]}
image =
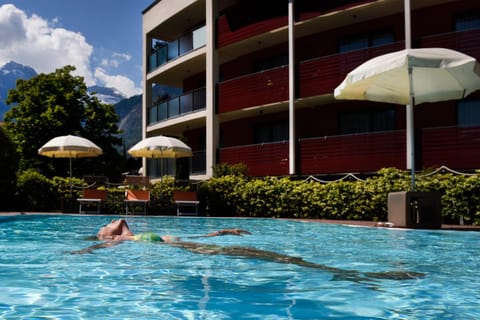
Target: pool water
{"type": "Point", "coordinates": [41, 279]}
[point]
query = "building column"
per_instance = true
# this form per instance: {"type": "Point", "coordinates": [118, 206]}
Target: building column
{"type": "Point", "coordinates": [147, 92]}
{"type": "Point", "coordinates": [212, 128]}
{"type": "Point", "coordinates": [291, 89]}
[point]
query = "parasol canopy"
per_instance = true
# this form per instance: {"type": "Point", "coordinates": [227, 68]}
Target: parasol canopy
{"type": "Point", "coordinates": [70, 147]}
{"type": "Point", "coordinates": [420, 75]}
{"type": "Point", "coordinates": [160, 147]}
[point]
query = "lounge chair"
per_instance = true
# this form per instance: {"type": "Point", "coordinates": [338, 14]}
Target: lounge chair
{"type": "Point", "coordinates": [92, 198]}
{"type": "Point", "coordinates": [186, 202]}
{"type": "Point", "coordinates": [136, 198]}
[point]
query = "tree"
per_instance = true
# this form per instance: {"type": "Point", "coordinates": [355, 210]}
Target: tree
{"type": "Point", "coordinates": [8, 159]}
{"type": "Point", "coordinates": [57, 104]}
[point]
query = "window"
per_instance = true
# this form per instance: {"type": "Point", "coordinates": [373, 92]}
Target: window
{"type": "Point", "coordinates": [468, 112]}
{"type": "Point", "coordinates": [271, 132]}
{"type": "Point", "coordinates": [364, 40]}
{"type": "Point", "coordinates": [467, 21]}
{"type": "Point", "coordinates": [367, 121]}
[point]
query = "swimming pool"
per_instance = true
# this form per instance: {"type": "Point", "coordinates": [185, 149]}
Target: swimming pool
{"type": "Point", "coordinates": [40, 278]}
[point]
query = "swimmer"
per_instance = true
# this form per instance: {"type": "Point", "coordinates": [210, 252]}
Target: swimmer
{"type": "Point", "coordinates": [118, 231]}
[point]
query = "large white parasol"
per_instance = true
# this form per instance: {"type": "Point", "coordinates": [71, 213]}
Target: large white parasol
{"type": "Point", "coordinates": [160, 147]}
{"type": "Point", "coordinates": [70, 147]}
{"type": "Point", "coordinates": [412, 77]}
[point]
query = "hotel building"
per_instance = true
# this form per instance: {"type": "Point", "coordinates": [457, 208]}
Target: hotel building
{"type": "Point", "coordinates": [257, 81]}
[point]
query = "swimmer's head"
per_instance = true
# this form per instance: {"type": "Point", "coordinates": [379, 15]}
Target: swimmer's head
{"type": "Point", "coordinates": [113, 229]}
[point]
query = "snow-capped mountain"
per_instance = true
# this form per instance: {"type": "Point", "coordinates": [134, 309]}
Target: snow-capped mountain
{"type": "Point", "coordinates": [107, 95]}
{"type": "Point", "coordinates": [9, 74]}
{"type": "Point", "coordinates": [12, 71]}
{"type": "Point", "coordinates": [128, 109]}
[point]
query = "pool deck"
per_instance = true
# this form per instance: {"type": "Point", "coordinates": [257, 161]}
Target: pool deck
{"type": "Point", "coordinates": [344, 222]}
{"type": "Point", "coordinates": [380, 224]}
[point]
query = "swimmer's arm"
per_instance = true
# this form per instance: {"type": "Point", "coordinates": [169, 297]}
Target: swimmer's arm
{"type": "Point", "coordinates": [236, 232]}
{"type": "Point", "coordinates": [102, 245]}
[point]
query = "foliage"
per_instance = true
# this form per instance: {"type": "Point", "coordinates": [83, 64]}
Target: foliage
{"type": "Point", "coordinates": [223, 169]}
{"type": "Point", "coordinates": [232, 195]}
{"type": "Point", "coordinates": [348, 200]}
{"type": "Point", "coordinates": [161, 194]}
{"type": "Point", "coordinates": [9, 161]}
{"type": "Point", "coordinates": [35, 192]}
{"type": "Point", "coordinates": [69, 187]}
{"type": "Point", "coordinates": [221, 195]}
{"type": "Point", "coordinates": [56, 104]}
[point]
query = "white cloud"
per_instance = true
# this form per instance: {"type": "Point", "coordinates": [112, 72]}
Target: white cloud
{"type": "Point", "coordinates": [36, 42]}
{"type": "Point", "coordinates": [116, 60]}
{"type": "Point", "coordinates": [33, 42]}
{"type": "Point", "coordinates": [119, 82]}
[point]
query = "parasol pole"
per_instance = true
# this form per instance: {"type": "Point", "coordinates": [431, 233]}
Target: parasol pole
{"type": "Point", "coordinates": [71, 182]}
{"type": "Point", "coordinates": [409, 106]}
{"type": "Point", "coordinates": [411, 130]}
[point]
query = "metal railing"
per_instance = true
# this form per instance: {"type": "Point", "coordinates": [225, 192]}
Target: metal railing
{"type": "Point", "coordinates": [174, 107]}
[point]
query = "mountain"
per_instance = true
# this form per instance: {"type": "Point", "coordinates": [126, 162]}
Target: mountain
{"type": "Point", "coordinates": [107, 95]}
{"type": "Point", "coordinates": [9, 74]}
{"type": "Point", "coordinates": [130, 113]}
{"type": "Point", "coordinates": [12, 71]}
{"type": "Point", "coordinates": [128, 109]}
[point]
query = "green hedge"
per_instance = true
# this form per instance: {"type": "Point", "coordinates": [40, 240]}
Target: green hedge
{"type": "Point", "coordinates": [238, 195]}
{"type": "Point", "coordinates": [349, 200]}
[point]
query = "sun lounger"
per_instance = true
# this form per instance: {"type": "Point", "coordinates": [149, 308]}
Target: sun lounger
{"type": "Point", "coordinates": [92, 198]}
{"type": "Point", "coordinates": [186, 202]}
{"type": "Point", "coordinates": [136, 198]}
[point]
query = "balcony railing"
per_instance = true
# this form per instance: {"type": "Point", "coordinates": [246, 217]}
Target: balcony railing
{"type": "Point", "coordinates": [253, 89]}
{"type": "Point", "coordinates": [467, 42]}
{"type": "Point", "coordinates": [166, 51]}
{"type": "Point", "coordinates": [190, 102]}
{"type": "Point", "coordinates": [322, 75]}
{"type": "Point", "coordinates": [367, 152]}
{"type": "Point", "coordinates": [454, 147]}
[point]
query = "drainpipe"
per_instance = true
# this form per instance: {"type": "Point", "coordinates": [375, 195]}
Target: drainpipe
{"type": "Point", "coordinates": [291, 88]}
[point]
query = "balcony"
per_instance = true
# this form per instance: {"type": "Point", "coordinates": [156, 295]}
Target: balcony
{"type": "Point", "coordinates": [178, 106]}
{"type": "Point", "coordinates": [320, 76]}
{"type": "Point", "coordinates": [454, 147]}
{"type": "Point", "coordinates": [167, 51]}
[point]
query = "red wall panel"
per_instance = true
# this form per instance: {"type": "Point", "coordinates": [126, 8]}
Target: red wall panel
{"type": "Point", "coordinates": [227, 37]}
{"type": "Point", "coordinates": [353, 153]}
{"type": "Point", "coordinates": [253, 90]}
{"type": "Point", "coordinates": [454, 147]}
{"type": "Point", "coordinates": [261, 160]}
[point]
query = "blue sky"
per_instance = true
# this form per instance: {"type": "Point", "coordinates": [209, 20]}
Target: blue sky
{"type": "Point", "coordinates": [101, 38]}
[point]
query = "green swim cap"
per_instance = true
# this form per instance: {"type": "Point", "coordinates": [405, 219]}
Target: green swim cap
{"type": "Point", "coordinates": [149, 236]}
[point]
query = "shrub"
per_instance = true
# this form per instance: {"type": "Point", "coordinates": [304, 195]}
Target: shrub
{"type": "Point", "coordinates": [349, 200]}
{"type": "Point", "coordinates": [161, 195]}
{"type": "Point", "coordinates": [9, 161]}
{"type": "Point", "coordinates": [35, 192]}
